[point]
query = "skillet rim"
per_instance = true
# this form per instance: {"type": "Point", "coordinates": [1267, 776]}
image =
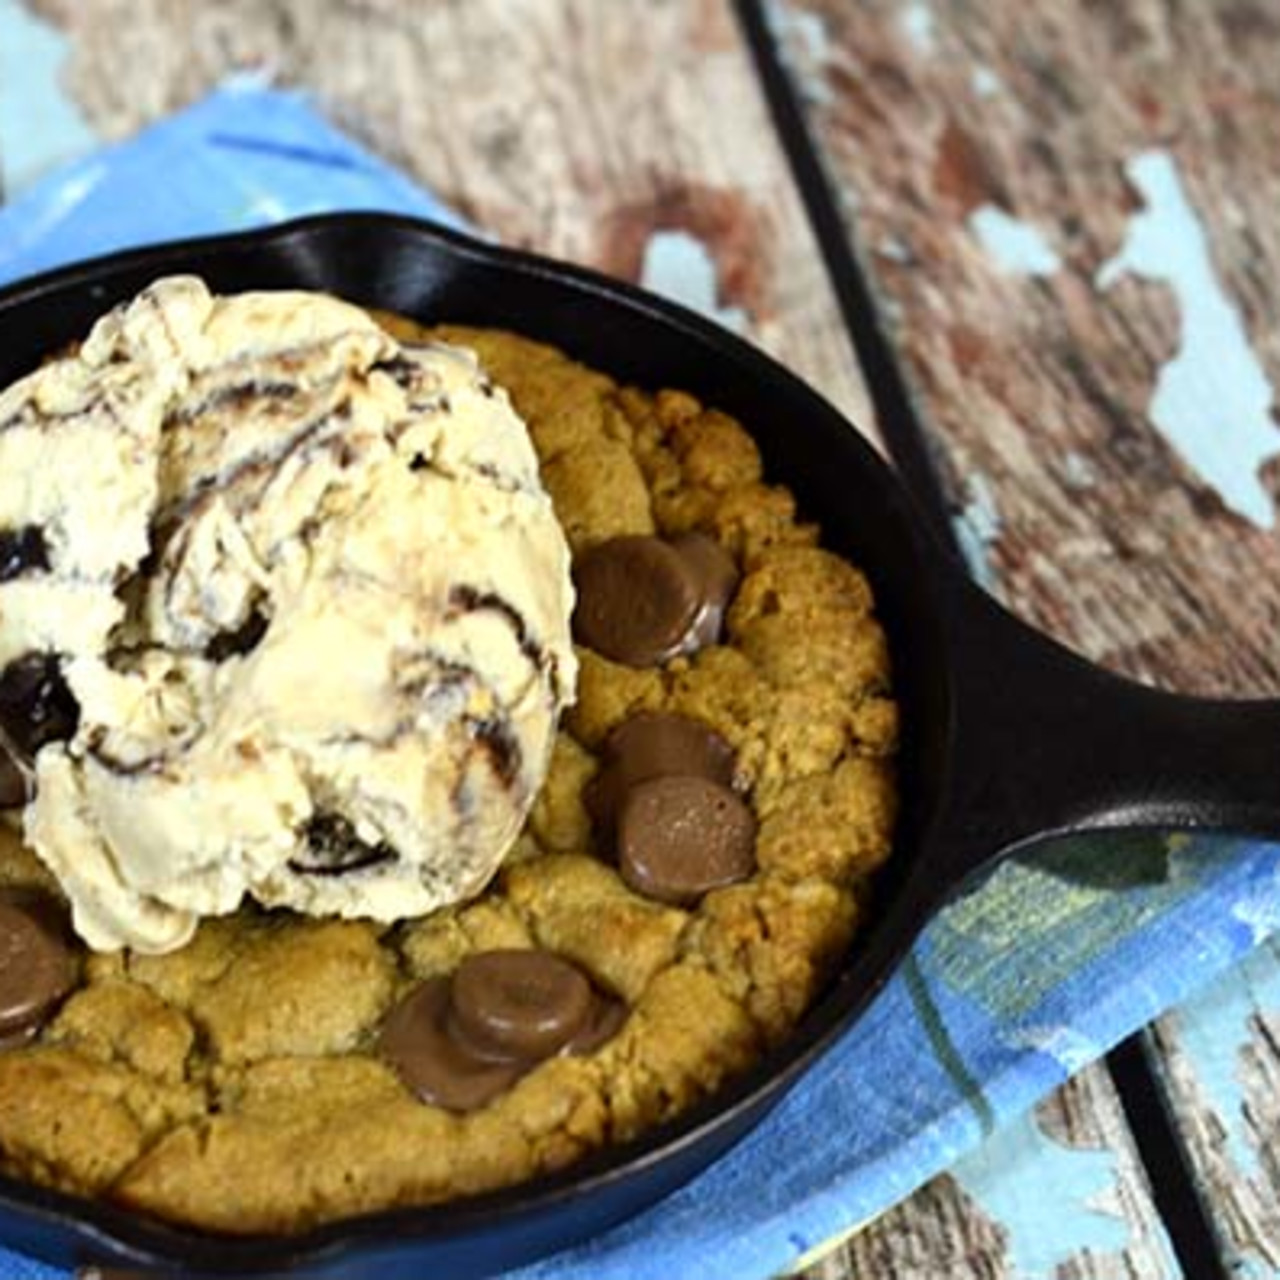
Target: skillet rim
{"type": "Point", "coordinates": [743, 1100]}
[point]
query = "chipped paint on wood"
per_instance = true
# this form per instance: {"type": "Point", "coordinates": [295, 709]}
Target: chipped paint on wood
{"type": "Point", "coordinates": [1009, 1176]}
{"type": "Point", "coordinates": [977, 528]}
{"type": "Point", "coordinates": [984, 82]}
{"type": "Point", "coordinates": [918, 26]}
{"type": "Point", "coordinates": [1212, 399]}
{"type": "Point", "coordinates": [679, 267]}
{"type": "Point", "coordinates": [1016, 246]}
{"type": "Point", "coordinates": [1217, 1057]}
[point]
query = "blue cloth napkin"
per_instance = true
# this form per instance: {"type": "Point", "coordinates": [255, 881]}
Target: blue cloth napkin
{"type": "Point", "coordinates": [1055, 959]}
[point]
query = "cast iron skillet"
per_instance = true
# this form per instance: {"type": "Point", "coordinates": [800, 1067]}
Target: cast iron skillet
{"type": "Point", "coordinates": [1007, 736]}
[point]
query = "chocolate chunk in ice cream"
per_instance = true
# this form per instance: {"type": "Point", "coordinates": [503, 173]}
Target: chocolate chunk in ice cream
{"type": "Point", "coordinates": [36, 706]}
{"type": "Point", "coordinates": [21, 551]}
{"type": "Point", "coordinates": [13, 784]}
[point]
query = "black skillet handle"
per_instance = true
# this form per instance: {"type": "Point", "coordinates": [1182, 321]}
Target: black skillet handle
{"type": "Point", "coordinates": [1045, 743]}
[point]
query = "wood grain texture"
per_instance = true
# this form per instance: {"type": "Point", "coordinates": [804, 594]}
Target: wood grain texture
{"type": "Point", "coordinates": [1219, 1057]}
{"type": "Point", "coordinates": [550, 125]}
{"type": "Point", "coordinates": [991, 161]}
{"type": "Point", "coordinates": [1039, 372]}
{"type": "Point", "coordinates": [1062, 1193]}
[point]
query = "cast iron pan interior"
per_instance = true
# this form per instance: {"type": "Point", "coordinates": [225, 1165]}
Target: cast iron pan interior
{"type": "Point", "coordinates": [955, 656]}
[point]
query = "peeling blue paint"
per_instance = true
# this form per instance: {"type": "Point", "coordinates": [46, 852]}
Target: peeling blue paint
{"type": "Point", "coordinates": [1213, 1028]}
{"type": "Point", "coordinates": [806, 44]}
{"type": "Point", "coordinates": [1049, 1199]}
{"type": "Point", "coordinates": [1078, 471]}
{"type": "Point", "coordinates": [40, 127]}
{"type": "Point", "coordinates": [1016, 246]}
{"type": "Point", "coordinates": [678, 266]}
{"type": "Point", "coordinates": [1212, 400]}
{"type": "Point", "coordinates": [919, 27]}
{"type": "Point", "coordinates": [977, 526]}
{"type": "Point", "coordinates": [985, 82]}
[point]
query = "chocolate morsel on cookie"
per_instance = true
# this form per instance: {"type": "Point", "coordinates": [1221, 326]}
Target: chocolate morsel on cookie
{"type": "Point", "coordinates": [417, 1041]}
{"type": "Point", "coordinates": [37, 968]}
{"type": "Point", "coordinates": [642, 600]}
{"type": "Point", "coordinates": [35, 704]}
{"type": "Point", "coordinates": [679, 837]}
{"type": "Point", "coordinates": [717, 578]}
{"type": "Point", "coordinates": [653, 744]}
{"type": "Point", "coordinates": [518, 1004]}
{"type": "Point", "coordinates": [459, 1042]}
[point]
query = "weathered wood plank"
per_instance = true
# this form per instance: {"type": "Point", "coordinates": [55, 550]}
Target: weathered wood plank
{"type": "Point", "coordinates": [1067, 212]}
{"type": "Point", "coordinates": [1060, 1193]}
{"type": "Point", "coordinates": [549, 124]}
{"type": "Point", "coordinates": [1219, 1057]}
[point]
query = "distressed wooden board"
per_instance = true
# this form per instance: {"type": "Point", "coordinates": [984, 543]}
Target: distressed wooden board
{"type": "Point", "coordinates": [1061, 1193]}
{"type": "Point", "coordinates": [547, 123]}
{"type": "Point", "coordinates": [1219, 1056]}
{"type": "Point", "coordinates": [1108, 433]}
{"type": "Point", "coordinates": [1068, 213]}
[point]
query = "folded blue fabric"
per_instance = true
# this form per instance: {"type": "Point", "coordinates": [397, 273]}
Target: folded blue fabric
{"type": "Point", "coordinates": [1053, 960]}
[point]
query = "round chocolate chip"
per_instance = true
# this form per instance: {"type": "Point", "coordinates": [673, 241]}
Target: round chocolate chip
{"type": "Point", "coordinates": [637, 600]}
{"type": "Point", "coordinates": [681, 836]}
{"type": "Point", "coordinates": [36, 706]}
{"type": "Point", "coordinates": [519, 1004]}
{"type": "Point", "coordinates": [716, 574]}
{"type": "Point", "coordinates": [22, 550]}
{"type": "Point", "coordinates": [13, 784]}
{"type": "Point", "coordinates": [37, 968]}
{"type": "Point", "coordinates": [416, 1040]}
{"type": "Point", "coordinates": [654, 744]}
{"type": "Point", "coordinates": [607, 1017]}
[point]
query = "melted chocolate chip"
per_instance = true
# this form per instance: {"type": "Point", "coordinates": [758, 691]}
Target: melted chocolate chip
{"type": "Point", "coordinates": [415, 1039]}
{"type": "Point", "coordinates": [37, 967]}
{"type": "Point", "coordinates": [239, 641]}
{"type": "Point", "coordinates": [459, 1042]}
{"type": "Point", "coordinates": [13, 784]}
{"type": "Point", "coordinates": [717, 578]}
{"type": "Point", "coordinates": [22, 550]}
{"type": "Point", "coordinates": [654, 745]}
{"type": "Point", "coordinates": [519, 1004]}
{"type": "Point", "coordinates": [334, 849]}
{"type": "Point", "coordinates": [36, 706]}
{"type": "Point", "coordinates": [642, 601]}
{"type": "Point", "coordinates": [637, 600]}
{"type": "Point", "coordinates": [678, 837]}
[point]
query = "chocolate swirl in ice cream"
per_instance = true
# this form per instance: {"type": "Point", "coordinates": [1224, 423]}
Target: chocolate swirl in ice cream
{"type": "Point", "coordinates": [305, 604]}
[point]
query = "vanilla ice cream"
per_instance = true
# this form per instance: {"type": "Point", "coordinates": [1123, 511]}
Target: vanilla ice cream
{"type": "Point", "coordinates": [304, 604]}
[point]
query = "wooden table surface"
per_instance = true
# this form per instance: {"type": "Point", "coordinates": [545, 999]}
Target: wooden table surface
{"type": "Point", "coordinates": [1033, 249]}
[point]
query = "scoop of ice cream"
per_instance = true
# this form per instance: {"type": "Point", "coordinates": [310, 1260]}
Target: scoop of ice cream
{"type": "Point", "coordinates": [298, 625]}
